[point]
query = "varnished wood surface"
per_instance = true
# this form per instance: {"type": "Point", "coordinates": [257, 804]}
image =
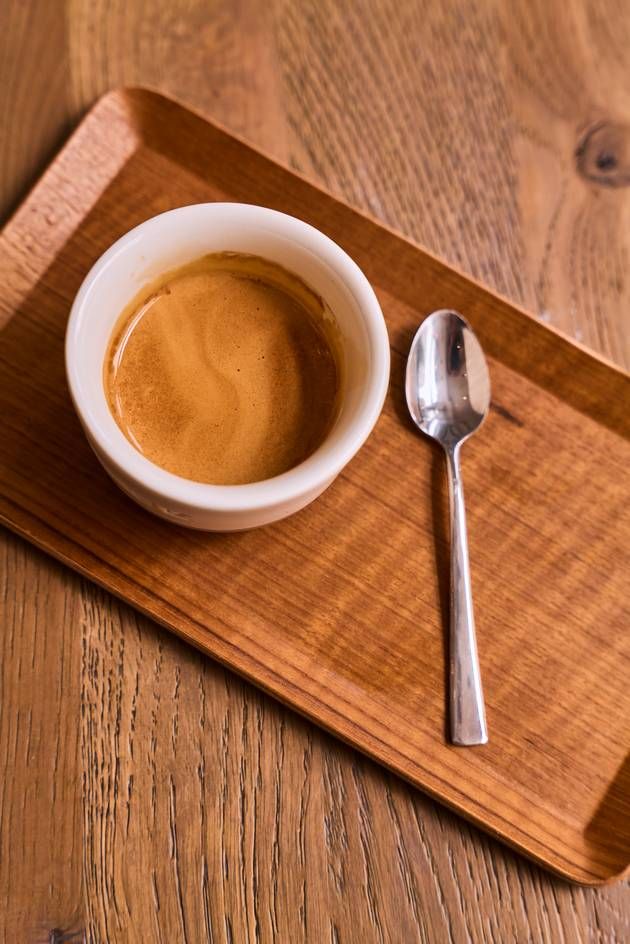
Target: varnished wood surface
{"type": "Point", "coordinates": [490, 210]}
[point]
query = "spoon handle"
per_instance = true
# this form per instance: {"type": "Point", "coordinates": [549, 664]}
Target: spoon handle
{"type": "Point", "coordinates": [468, 717]}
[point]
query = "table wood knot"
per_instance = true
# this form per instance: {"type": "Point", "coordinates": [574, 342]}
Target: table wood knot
{"type": "Point", "coordinates": [603, 154]}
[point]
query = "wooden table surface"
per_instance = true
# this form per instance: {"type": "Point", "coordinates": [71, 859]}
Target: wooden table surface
{"type": "Point", "coordinates": [496, 134]}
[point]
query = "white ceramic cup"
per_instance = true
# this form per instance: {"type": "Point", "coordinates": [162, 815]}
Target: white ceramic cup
{"type": "Point", "coordinates": [173, 239]}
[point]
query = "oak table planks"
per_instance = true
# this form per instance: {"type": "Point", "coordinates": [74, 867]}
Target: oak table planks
{"type": "Point", "coordinates": [238, 69]}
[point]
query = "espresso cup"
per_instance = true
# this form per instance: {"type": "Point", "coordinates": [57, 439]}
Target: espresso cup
{"type": "Point", "coordinates": [173, 239]}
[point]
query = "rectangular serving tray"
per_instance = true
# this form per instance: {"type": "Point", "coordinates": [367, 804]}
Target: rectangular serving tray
{"type": "Point", "coordinates": [339, 611]}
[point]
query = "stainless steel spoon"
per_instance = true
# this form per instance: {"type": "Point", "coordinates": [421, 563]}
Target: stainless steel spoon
{"type": "Point", "coordinates": [448, 395]}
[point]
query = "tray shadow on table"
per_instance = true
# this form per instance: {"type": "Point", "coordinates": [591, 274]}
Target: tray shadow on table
{"type": "Point", "coordinates": [611, 816]}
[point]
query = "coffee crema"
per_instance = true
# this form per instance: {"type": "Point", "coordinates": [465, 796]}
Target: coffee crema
{"type": "Point", "coordinates": [223, 371]}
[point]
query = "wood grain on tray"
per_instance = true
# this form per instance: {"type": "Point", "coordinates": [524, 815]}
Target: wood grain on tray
{"type": "Point", "coordinates": [339, 610]}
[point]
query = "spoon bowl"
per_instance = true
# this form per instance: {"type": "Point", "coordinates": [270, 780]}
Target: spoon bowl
{"type": "Point", "coordinates": [447, 381]}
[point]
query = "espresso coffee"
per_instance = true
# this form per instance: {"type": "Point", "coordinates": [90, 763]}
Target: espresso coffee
{"type": "Point", "coordinates": [224, 371]}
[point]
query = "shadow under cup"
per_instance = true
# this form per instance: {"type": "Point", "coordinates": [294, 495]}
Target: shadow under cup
{"type": "Point", "coordinates": [174, 239]}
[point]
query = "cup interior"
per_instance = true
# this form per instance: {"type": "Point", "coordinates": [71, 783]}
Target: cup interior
{"type": "Point", "coordinates": [183, 235]}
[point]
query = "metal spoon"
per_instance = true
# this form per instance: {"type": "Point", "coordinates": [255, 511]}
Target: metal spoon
{"type": "Point", "coordinates": [448, 395]}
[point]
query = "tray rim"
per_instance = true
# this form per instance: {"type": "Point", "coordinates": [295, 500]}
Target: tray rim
{"type": "Point", "coordinates": [126, 98]}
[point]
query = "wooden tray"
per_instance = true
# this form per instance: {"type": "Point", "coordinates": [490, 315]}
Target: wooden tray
{"type": "Point", "coordinates": [339, 611]}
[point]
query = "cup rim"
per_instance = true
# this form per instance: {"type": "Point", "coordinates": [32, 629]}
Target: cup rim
{"type": "Point", "coordinates": [312, 473]}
